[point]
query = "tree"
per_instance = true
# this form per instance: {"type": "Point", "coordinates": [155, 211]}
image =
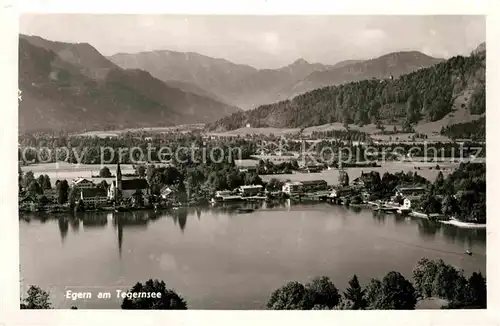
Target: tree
{"type": "Point", "coordinates": [274, 184]}
{"type": "Point", "coordinates": [234, 179]}
{"type": "Point", "coordinates": [343, 178]}
{"type": "Point", "coordinates": [155, 179]}
{"type": "Point", "coordinates": [80, 206]}
{"type": "Point", "coordinates": [439, 183]}
{"type": "Point", "coordinates": [424, 274]}
{"type": "Point", "coordinates": [445, 281]}
{"type": "Point", "coordinates": [166, 300]}
{"type": "Point", "coordinates": [141, 171]}
{"type": "Point", "coordinates": [477, 290]}
{"type": "Point", "coordinates": [72, 196]}
{"type": "Point", "coordinates": [355, 294]}
{"type": "Point", "coordinates": [29, 177]}
{"type": "Point", "coordinates": [291, 296]}
{"type": "Point", "coordinates": [34, 188]}
{"type": "Point", "coordinates": [394, 292]}
{"type": "Point", "coordinates": [322, 292]}
{"type": "Point", "coordinates": [105, 173]}
{"type": "Point", "coordinates": [103, 185]}
{"type": "Point", "coordinates": [252, 179]}
{"type": "Point", "coordinates": [477, 101]}
{"type": "Point", "coordinates": [375, 182]}
{"type": "Point", "coordinates": [37, 299]}
{"type": "Point", "coordinates": [62, 191]}
{"type": "Point", "coordinates": [430, 204]}
{"type": "Point", "coordinates": [195, 178]}
{"type": "Point", "coordinates": [449, 205]}
{"type": "Point", "coordinates": [320, 307]}
{"type": "Point", "coordinates": [138, 197]}
{"type": "Point", "coordinates": [43, 200]}
{"type": "Point", "coordinates": [373, 292]}
{"type": "Point", "coordinates": [172, 176]}
{"type": "Point", "coordinates": [20, 175]}
{"type": "Point", "coordinates": [412, 110]}
{"type": "Point", "coordinates": [44, 182]}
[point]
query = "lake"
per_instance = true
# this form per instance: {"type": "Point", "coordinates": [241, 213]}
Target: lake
{"type": "Point", "coordinates": [217, 258]}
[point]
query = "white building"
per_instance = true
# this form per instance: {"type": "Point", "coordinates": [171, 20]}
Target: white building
{"type": "Point", "coordinates": [246, 165]}
{"type": "Point", "coordinates": [338, 192]}
{"type": "Point", "coordinates": [292, 188]}
{"type": "Point", "coordinates": [411, 202]}
{"type": "Point", "coordinates": [165, 192]}
{"type": "Point", "coordinates": [82, 183]}
{"type": "Point", "coordinates": [250, 190]}
{"type": "Point", "coordinates": [276, 159]}
{"type": "Point", "coordinates": [222, 193]}
{"type": "Point", "coordinates": [93, 196]}
{"type": "Point", "coordinates": [410, 192]}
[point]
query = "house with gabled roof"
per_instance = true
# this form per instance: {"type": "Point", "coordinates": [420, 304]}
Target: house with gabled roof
{"type": "Point", "coordinates": [82, 183]}
{"type": "Point", "coordinates": [412, 192]}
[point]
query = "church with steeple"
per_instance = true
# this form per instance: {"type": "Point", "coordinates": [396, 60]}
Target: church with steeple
{"type": "Point", "coordinates": [134, 189]}
{"type": "Point", "coordinates": [118, 181]}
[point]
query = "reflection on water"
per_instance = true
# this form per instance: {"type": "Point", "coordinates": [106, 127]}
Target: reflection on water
{"type": "Point", "coordinates": [219, 257]}
{"type": "Point", "coordinates": [179, 217]}
{"type": "Point", "coordinates": [399, 219]}
{"type": "Point", "coordinates": [75, 224]}
{"type": "Point", "coordinates": [356, 209]}
{"type": "Point", "coordinates": [63, 226]}
{"type": "Point", "coordinates": [428, 229]}
{"type": "Point", "coordinates": [379, 216]}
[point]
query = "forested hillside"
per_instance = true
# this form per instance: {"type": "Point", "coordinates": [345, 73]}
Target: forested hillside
{"type": "Point", "coordinates": [475, 130]}
{"type": "Point", "coordinates": [72, 87]}
{"type": "Point", "coordinates": [424, 95]}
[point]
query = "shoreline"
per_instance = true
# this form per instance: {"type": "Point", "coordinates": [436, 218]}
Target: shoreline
{"type": "Point", "coordinates": [451, 221]}
{"type": "Point", "coordinates": [454, 222]}
{"type": "Point", "coordinates": [464, 225]}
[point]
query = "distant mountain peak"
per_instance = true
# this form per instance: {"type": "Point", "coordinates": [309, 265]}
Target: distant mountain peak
{"type": "Point", "coordinates": [407, 54]}
{"type": "Point", "coordinates": [300, 62]}
{"type": "Point", "coordinates": [480, 48]}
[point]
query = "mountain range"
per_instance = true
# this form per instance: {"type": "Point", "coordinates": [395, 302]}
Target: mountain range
{"type": "Point", "coordinates": [447, 89]}
{"type": "Point", "coordinates": [248, 87]}
{"type": "Point", "coordinates": [72, 86]}
{"type": "Point", "coordinates": [67, 86]}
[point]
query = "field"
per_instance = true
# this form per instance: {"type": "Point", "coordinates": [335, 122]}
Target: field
{"type": "Point", "coordinates": [116, 133]}
{"type": "Point", "coordinates": [256, 131]}
{"type": "Point", "coordinates": [62, 170]}
{"type": "Point", "coordinates": [331, 176]}
{"type": "Point", "coordinates": [69, 172]}
{"type": "Point", "coordinates": [459, 114]}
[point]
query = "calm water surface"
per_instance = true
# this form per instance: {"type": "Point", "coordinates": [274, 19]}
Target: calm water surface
{"type": "Point", "coordinates": [219, 259]}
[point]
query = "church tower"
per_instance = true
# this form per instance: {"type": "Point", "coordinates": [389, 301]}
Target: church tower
{"type": "Point", "coordinates": [118, 181]}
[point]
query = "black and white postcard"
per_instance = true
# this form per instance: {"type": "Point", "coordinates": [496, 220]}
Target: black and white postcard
{"type": "Point", "coordinates": [181, 161]}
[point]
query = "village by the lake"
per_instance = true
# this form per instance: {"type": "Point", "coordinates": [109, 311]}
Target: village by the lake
{"type": "Point", "coordinates": [435, 194]}
{"type": "Point", "coordinates": [354, 179]}
{"type": "Point", "coordinates": [263, 177]}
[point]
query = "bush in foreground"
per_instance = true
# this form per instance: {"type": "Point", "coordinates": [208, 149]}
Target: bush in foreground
{"type": "Point", "coordinates": [168, 298]}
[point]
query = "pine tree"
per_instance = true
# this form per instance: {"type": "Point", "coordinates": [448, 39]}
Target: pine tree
{"type": "Point", "coordinates": [355, 294]}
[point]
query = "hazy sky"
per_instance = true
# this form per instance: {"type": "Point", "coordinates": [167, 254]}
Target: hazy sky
{"type": "Point", "coordinates": [265, 41]}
